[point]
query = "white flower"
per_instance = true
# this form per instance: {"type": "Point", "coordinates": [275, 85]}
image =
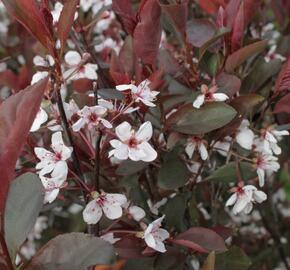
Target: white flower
{"type": "Point", "coordinates": [109, 237]}
{"type": "Point", "coordinates": [107, 43]}
{"type": "Point", "coordinates": [245, 136]}
{"type": "Point", "coordinates": [78, 68]}
{"type": "Point", "coordinates": [46, 61]}
{"type": "Point", "coordinates": [265, 163]}
{"type": "Point", "coordinates": [133, 145]}
{"type": "Point", "coordinates": [96, 5]}
{"type": "Point", "coordinates": [268, 143]}
{"type": "Point", "coordinates": [208, 95]}
{"type": "Point", "coordinates": [53, 184]}
{"type": "Point", "coordinates": [223, 147]}
{"type": "Point", "coordinates": [115, 108]}
{"type": "Point", "coordinates": [271, 54]}
{"type": "Point", "coordinates": [142, 92]}
{"type": "Point", "coordinates": [194, 142]}
{"type": "Point", "coordinates": [40, 118]}
{"type": "Point", "coordinates": [244, 197]}
{"type": "Point", "coordinates": [110, 204]}
{"type": "Point", "coordinates": [71, 109]}
{"type": "Point", "coordinates": [104, 23]}
{"type": "Point", "coordinates": [154, 236]}
{"type": "Point", "coordinates": [135, 212]}
{"type": "Point", "coordinates": [38, 76]}
{"type": "Point", "coordinates": [57, 11]}
{"type": "Point", "coordinates": [154, 207]}
{"type": "Point", "coordinates": [49, 160]}
{"type": "Point", "coordinates": [92, 117]}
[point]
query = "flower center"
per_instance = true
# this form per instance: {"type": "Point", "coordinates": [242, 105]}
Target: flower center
{"type": "Point", "coordinates": [133, 142]}
{"type": "Point", "coordinates": [57, 156]}
{"type": "Point", "coordinates": [240, 191]}
{"type": "Point", "coordinates": [93, 117]}
{"type": "Point", "coordinates": [101, 200]}
{"type": "Point", "coordinates": [208, 96]}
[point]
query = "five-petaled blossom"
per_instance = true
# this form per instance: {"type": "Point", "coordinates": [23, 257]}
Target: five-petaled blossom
{"type": "Point", "coordinates": [198, 142]}
{"type": "Point", "coordinates": [78, 68]}
{"type": "Point", "coordinates": [50, 160]}
{"type": "Point", "coordinates": [245, 136]}
{"type": "Point", "coordinates": [109, 203]}
{"type": "Point", "coordinates": [142, 92]}
{"type": "Point", "coordinates": [208, 95]}
{"type": "Point", "coordinates": [40, 118]}
{"type": "Point", "coordinates": [244, 197]}
{"type": "Point", "coordinates": [265, 163]}
{"type": "Point", "coordinates": [132, 144]}
{"type": "Point", "coordinates": [53, 184]}
{"type": "Point", "coordinates": [270, 138]}
{"type": "Point", "coordinates": [92, 117]}
{"type": "Point", "coordinates": [154, 236]}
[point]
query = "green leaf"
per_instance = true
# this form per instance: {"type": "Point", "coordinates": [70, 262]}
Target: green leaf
{"type": "Point", "coordinates": [243, 54]}
{"type": "Point", "coordinates": [129, 167]}
{"type": "Point", "coordinates": [173, 172]}
{"type": "Point", "coordinates": [210, 262]}
{"type": "Point", "coordinates": [228, 172]}
{"type": "Point", "coordinates": [209, 117]}
{"type": "Point", "coordinates": [201, 239]}
{"type": "Point", "coordinates": [244, 104]}
{"type": "Point", "coordinates": [260, 73]}
{"type": "Point", "coordinates": [73, 251]}
{"type": "Point", "coordinates": [23, 205]}
{"type": "Point", "coordinates": [234, 258]}
{"type": "Point", "coordinates": [110, 93]}
{"type": "Point", "coordinates": [174, 211]}
{"type": "Point", "coordinates": [140, 264]}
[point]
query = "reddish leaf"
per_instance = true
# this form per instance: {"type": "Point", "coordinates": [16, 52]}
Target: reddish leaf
{"type": "Point", "coordinates": [129, 247]}
{"type": "Point", "coordinates": [223, 231]}
{"type": "Point", "coordinates": [231, 12]}
{"type": "Point", "coordinates": [66, 20]}
{"type": "Point", "coordinates": [251, 7]}
{"type": "Point", "coordinates": [228, 84]}
{"type": "Point", "coordinates": [17, 114]}
{"type": "Point", "coordinates": [8, 78]}
{"type": "Point", "coordinates": [127, 56]}
{"type": "Point", "coordinates": [178, 14]}
{"type": "Point", "coordinates": [211, 6]}
{"type": "Point", "coordinates": [29, 15]}
{"type": "Point", "coordinates": [190, 244]}
{"type": "Point", "coordinates": [201, 239]}
{"type": "Point", "coordinates": [282, 105]}
{"type": "Point", "coordinates": [147, 34]}
{"type": "Point", "coordinates": [199, 31]}
{"type": "Point", "coordinates": [283, 80]}
{"type": "Point", "coordinates": [239, 57]}
{"type": "Point", "coordinates": [238, 29]}
{"type": "Point", "coordinates": [124, 10]}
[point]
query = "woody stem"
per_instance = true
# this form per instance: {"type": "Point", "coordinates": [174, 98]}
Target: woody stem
{"type": "Point", "coordinates": [75, 159]}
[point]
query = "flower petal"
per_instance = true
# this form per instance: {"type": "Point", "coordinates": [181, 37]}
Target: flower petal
{"type": "Point", "coordinates": [112, 211]}
{"type": "Point", "coordinates": [92, 213]}
{"type": "Point", "coordinates": [72, 58]}
{"type": "Point", "coordinates": [220, 97]}
{"type": "Point", "coordinates": [148, 152]}
{"type": "Point", "coordinates": [123, 131]}
{"type": "Point", "coordinates": [145, 132]}
{"type": "Point", "coordinates": [198, 101]}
